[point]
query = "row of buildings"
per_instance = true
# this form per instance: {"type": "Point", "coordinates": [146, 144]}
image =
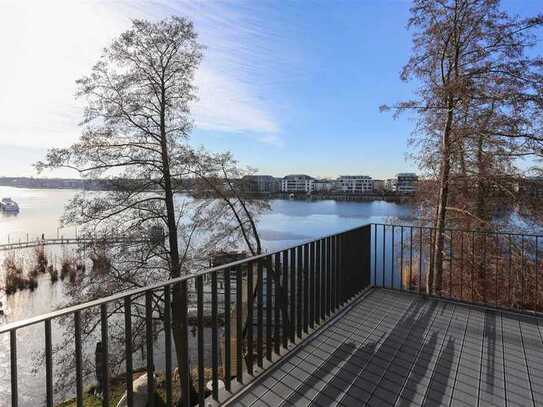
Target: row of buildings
{"type": "Point", "coordinates": [403, 183]}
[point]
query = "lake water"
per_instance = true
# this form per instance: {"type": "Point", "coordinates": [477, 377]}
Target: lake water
{"type": "Point", "coordinates": [288, 223]}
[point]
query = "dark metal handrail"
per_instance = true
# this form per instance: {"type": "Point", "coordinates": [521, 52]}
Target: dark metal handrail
{"type": "Point", "coordinates": [274, 300]}
{"type": "Point", "coordinates": [138, 291]}
{"type": "Point", "coordinates": [490, 268]}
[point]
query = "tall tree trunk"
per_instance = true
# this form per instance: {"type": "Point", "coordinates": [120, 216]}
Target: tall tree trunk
{"type": "Point", "coordinates": [435, 275]}
{"type": "Point", "coordinates": [179, 291]}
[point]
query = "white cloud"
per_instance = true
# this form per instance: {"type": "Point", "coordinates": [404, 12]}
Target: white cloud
{"type": "Point", "coordinates": [47, 45]}
{"type": "Point", "coordinates": [227, 105]}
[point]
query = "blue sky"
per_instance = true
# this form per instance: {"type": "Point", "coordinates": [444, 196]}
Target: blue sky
{"type": "Point", "coordinates": [287, 86]}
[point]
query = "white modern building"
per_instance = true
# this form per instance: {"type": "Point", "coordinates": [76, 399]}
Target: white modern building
{"type": "Point", "coordinates": [390, 184]}
{"type": "Point", "coordinates": [323, 185]}
{"type": "Point", "coordinates": [406, 183]}
{"type": "Point", "coordinates": [355, 184]}
{"type": "Point", "coordinates": [297, 183]}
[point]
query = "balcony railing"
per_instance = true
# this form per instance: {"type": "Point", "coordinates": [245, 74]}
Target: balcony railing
{"type": "Point", "coordinates": [284, 295]}
{"type": "Point", "coordinates": [270, 302]}
{"type": "Point", "coordinates": [490, 268]}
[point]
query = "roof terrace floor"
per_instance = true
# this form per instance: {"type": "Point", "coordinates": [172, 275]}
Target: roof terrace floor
{"type": "Point", "coordinates": [400, 349]}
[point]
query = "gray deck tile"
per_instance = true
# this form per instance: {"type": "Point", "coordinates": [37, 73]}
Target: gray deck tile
{"type": "Point", "coordinates": [399, 349]}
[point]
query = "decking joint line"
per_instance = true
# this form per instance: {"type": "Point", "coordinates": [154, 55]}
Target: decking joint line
{"type": "Point", "coordinates": [438, 356]}
{"type": "Point", "coordinates": [460, 353]}
{"type": "Point", "coordinates": [345, 392]}
{"type": "Point", "coordinates": [414, 362]}
{"type": "Point", "coordinates": [365, 340]}
{"type": "Point", "coordinates": [304, 342]}
{"type": "Point", "coordinates": [394, 358]}
{"type": "Point", "coordinates": [526, 362]}
{"type": "Point", "coordinates": [326, 340]}
{"type": "Point", "coordinates": [503, 361]}
{"type": "Point", "coordinates": [481, 361]}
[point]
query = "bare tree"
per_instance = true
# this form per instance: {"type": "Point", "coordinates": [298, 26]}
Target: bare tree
{"type": "Point", "coordinates": [221, 175]}
{"type": "Point", "coordinates": [473, 102]}
{"type": "Point", "coordinates": [137, 118]}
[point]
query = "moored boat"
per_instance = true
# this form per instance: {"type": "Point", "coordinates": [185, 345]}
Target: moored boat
{"type": "Point", "coordinates": [9, 205]}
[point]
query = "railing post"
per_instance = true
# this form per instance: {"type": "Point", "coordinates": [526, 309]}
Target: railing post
{"type": "Point", "coordinates": [13, 367]}
{"type": "Point", "coordinates": [149, 343]}
{"type": "Point", "coordinates": [214, 338]}
{"type": "Point", "coordinates": [48, 363]}
{"type": "Point", "coordinates": [78, 359]}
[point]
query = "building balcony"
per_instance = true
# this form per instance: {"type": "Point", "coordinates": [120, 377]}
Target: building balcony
{"type": "Point", "coordinates": [344, 320]}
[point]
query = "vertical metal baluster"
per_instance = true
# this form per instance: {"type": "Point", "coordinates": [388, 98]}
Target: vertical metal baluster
{"type": "Point", "coordinates": [498, 254]}
{"type": "Point", "coordinates": [462, 265]}
{"type": "Point", "coordinates": [322, 288]}
{"type": "Point", "coordinates": [306, 287]}
{"type": "Point", "coordinates": [335, 272]}
{"type": "Point", "coordinates": [451, 236]}
{"type": "Point", "coordinates": [375, 254]}
{"type": "Point", "coordinates": [332, 276]}
{"type": "Point", "coordinates": [13, 367]}
{"type": "Point", "coordinates": [269, 307]}
{"type": "Point", "coordinates": [510, 268]}
{"type": "Point", "coordinates": [214, 337]}
{"type": "Point", "coordinates": [340, 268]}
{"type": "Point", "coordinates": [484, 267]}
{"type": "Point", "coordinates": [149, 342]}
{"type": "Point", "coordinates": [227, 332]}
{"type": "Point", "coordinates": [472, 265]}
{"type": "Point", "coordinates": [325, 279]}
{"type": "Point", "coordinates": [536, 273]}
{"type": "Point", "coordinates": [277, 303]}
{"type": "Point", "coordinates": [239, 325]}
{"type": "Point", "coordinates": [410, 257]}
{"type": "Point", "coordinates": [260, 314]}
{"type": "Point", "coordinates": [128, 351]}
{"type": "Point", "coordinates": [299, 295]}
{"type": "Point", "coordinates": [384, 255]}
{"type": "Point", "coordinates": [522, 270]}
{"type": "Point", "coordinates": [250, 320]}
{"type": "Point", "coordinates": [186, 388]}
{"type": "Point", "coordinates": [312, 284]}
{"type": "Point", "coordinates": [167, 344]}
{"type": "Point", "coordinates": [401, 257]}
{"type": "Point", "coordinates": [393, 262]}
{"type": "Point", "coordinates": [105, 353]}
{"type": "Point", "coordinates": [78, 359]}
{"type": "Point", "coordinates": [316, 283]}
{"type": "Point", "coordinates": [419, 280]}
{"type": "Point", "coordinates": [284, 295]}
{"type": "Point", "coordinates": [431, 244]}
{"type": "Point", "coordinates": [329, 276]}
{"type": "Point", "coordinates": [292, 256]}
{"type": "Point", "coordinates": [48, 363]}
{"type": "Point", "coordinates": [200, 318]}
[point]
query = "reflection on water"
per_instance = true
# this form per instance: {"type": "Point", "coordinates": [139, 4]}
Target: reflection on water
{"type": "Point", "coordinates": [288, 223]}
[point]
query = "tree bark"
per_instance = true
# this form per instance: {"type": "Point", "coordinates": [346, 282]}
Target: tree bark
{"type": "Point", "coordinates": [435, 275]}
{"type": "Point", "coordinates": [179, 291]}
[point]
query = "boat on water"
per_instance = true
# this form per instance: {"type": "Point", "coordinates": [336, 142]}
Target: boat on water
{"type": "Point", "coordinates": [9, 205]}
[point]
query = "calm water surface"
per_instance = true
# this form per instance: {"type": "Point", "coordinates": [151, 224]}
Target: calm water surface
{"type": "Point", "coordinates": [288, 223]}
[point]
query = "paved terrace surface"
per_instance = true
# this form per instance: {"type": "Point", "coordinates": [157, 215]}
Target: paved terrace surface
{"type": "Point", "coordinates": [398, 349]}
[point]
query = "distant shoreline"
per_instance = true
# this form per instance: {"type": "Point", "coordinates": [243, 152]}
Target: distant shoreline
{"type": "Point", "coordinates": [100, 185]}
